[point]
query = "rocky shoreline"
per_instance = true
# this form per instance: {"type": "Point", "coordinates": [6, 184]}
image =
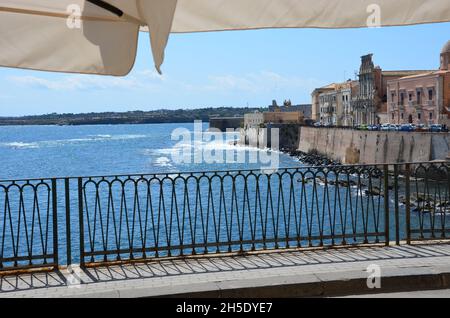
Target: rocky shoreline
{"type": "Point", "coordinates": [312, 159]}
{"type": "Point", "coordinates": [419, 202]}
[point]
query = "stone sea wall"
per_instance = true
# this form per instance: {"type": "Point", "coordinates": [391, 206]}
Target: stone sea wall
{"type": "Point", "coordinates": [367, 147]}
{"type": "Point", "coordinates": [353, 146]}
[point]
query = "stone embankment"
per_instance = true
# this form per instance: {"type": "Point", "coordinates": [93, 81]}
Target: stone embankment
{"type": "Point", "coordinates": [324, 146]}
{"type": "Point", "coordinates": [374, 147]}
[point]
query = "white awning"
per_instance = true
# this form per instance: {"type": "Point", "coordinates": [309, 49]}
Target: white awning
{"type": "Point", "coordinates": [100, 36]}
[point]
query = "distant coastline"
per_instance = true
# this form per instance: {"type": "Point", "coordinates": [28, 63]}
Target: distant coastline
{"type": "Point", "coordinates": [161, 116]}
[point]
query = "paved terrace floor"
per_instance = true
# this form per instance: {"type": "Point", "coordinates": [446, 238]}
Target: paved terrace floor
{"type": "Point", "coordinates": [330, 272]}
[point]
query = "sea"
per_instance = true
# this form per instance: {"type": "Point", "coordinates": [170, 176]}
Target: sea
{"type": "Point", "coordinates": [287, 206]}
{"type": "Point", "coordinates": [72, 151]}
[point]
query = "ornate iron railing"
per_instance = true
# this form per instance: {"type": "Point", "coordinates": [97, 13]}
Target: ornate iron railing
{"type": "Point", "coordinates": [28, 224]}
{"type": "Point", "coordinates": [92, 220]}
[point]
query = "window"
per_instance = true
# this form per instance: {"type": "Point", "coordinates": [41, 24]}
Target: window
{"type": "Point", "coordinates": [392, 97]}
{"type": "Point", "coordinates": [419, 97]}
{"type": "Point", "coordinates": [430, 94]}
{"type": "Point", "coordinates": [410, 97]}
{"type": "Point", "coordinates": [393, 116]}
{"type": "Point", "coordinates": [431, 115]}
{"type": "Point", "coordinates": [419, 115]}
{"type": "Point", "coordinates": [402, 98]}
{"type": "Point", "coordinates": [401, 116]}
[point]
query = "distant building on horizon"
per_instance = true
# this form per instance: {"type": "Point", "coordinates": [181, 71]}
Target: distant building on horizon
{"type": "Point", "coordinates": [305, 109]}
{"type": "Point", "coordinates": [286, 114]}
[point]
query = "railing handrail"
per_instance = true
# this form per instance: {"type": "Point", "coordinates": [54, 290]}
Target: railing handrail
{"type": "Point", "coordinates": [314, 207]}
{"type": "Point", "coordinates": [162, 173]}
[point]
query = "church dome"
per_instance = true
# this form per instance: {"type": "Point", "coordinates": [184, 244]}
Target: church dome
{"type": "Point", "coordinates": [446, 48]}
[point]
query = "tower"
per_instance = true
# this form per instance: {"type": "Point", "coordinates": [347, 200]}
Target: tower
{"type": "Point", "coordinates": [445, 57]}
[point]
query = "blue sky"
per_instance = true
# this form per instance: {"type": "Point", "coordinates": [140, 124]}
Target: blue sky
{"type": "Point", "coordinates": [236, 68]}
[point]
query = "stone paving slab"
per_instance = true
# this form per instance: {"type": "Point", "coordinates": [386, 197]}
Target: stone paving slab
{"type": "Point", "coordinates": [275, 274]}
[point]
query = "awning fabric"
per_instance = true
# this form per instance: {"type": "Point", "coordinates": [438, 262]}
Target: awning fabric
{"type": "Point", "coordinates": [100, 37]}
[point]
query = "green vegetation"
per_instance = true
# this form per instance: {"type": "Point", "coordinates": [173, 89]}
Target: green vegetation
{"type": "Point", "coordinates": [132, 117]}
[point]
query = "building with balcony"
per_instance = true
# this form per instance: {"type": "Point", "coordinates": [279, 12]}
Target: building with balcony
{"type": "Point", "coordinates": [332, 103]}
{"type": "Point", "coordinates": [422, 98]}
{"type": "Point", "coordinates": [328, 107]}
{"type": "Point", "coordinates": [346, 92]}
{"type": "Point", "coordinates": [317, 102]}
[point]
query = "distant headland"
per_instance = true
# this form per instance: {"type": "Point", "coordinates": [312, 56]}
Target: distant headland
{"type": "Point", "coordinates": [131, 117]}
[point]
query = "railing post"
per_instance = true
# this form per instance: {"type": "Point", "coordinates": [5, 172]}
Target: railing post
{"type": "Point", "coordinates": [68, 221]}
{"type": "Point", "coordinates": [55, 223]}
{"type": "Point", "coordinates": [397, 214]}
{"type": "Point", "coordinates": [386, 203]}
{"type": "Point", "coordinates": [81, 210]}
{"type": "Point", "coordinates": [408, 202]}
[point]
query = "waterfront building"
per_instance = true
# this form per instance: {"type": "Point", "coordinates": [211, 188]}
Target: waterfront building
{"type": "Point", "coordinates": [316, 101]}
{"type": "Point", "coordinates": [253, 120]}
{"type": "Point", "coordinates": [258, 119]}
{"type": "Point", "coordinates": [423, 98]}
{"type": "Point", "coordinates": [333, 103]}
{"type": "Point", "coordinates": [328, 106]}
{"type": "Point", "coordinates": [346, 92]}
{"type": "Point", "coordinates": [305, 109]}
{"type": "Point", "coordinates": [294, 117]}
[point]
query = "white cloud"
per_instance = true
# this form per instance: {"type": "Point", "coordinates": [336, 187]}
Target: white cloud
{"type": "Point", "coordinates": [253, 85]}
{"type": "Point", "coordinates": [84, 82]}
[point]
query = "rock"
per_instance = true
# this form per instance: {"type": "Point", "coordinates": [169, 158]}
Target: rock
{"type": "Point", "coordinates": [374, 191]}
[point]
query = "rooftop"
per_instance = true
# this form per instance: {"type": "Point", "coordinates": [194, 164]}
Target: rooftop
{"type": "Point", "coordinates": [406, 72]}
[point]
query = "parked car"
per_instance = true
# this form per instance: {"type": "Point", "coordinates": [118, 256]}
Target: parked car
{"type": "Point", "coordinates": [363, 127]}
{"type": "Point", "coordinates": [318, 124]}
{"type": "Point", "coordinates": [385, 127]}
{"type": "Point", "coordinates": [421, 127]}
{"type": "Point", "coordinates": [436, 128]}
{"type": "Point", "coordinates": [406, 127]}
{"type": "Point", "coordinates": [393, 127]}
{"type": "Point", "coordinates": [373, 127]}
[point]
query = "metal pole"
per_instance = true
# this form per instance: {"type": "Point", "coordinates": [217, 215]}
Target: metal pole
{"type": "Point", "coordinates": [408, 202]}
{"type": "Point", "coordinates": [386, 203]}
{"type": "Point", "coordinates": [68, 221]}
{"type": "Point", "coordinates": [397, 214]}
{"type": "Point", "coordinates": [55, 223]}
{"type": "Point", "coordinates": [81, 210]}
